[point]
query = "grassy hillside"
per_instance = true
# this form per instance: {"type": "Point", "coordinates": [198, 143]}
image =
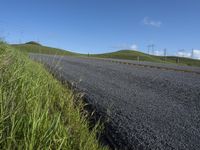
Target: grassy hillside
{"type": "Point", "coordinates": [33, 47]}
{"type": "Point", "coordinates": [36, 111]}
{"type": "Point", "coordinates": [128, 54]}
{"type": "Point", "coordinates": [133, 55]}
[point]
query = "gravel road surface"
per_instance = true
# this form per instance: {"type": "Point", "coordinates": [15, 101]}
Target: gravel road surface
{"type": "Point", "coordinates": [148, 108]}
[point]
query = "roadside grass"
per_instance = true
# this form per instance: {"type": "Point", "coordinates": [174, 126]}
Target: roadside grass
{"type": "Point", "coordinates": [36, 111]}
{"type": "Point", "coordinates": [33, 47]}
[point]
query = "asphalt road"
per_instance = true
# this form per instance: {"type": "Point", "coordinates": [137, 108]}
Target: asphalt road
{"type": "Point", "coordinates": [147, 107]}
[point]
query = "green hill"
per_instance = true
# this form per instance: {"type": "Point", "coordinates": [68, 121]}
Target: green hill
{"type": "Point", "coordinates": [34, 47]}
{"type": "Point", "coordinates": [34, 43]}
{"type": "Point", "coordinates": [129, 54]}
{"type": "Point", "coordinates": [135, 55]}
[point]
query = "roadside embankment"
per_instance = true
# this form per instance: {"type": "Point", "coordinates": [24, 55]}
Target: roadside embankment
{"type": "Point", "coordinates": [36, 111]}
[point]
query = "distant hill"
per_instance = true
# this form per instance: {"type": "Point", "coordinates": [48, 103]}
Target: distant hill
{"type": "Point", "coordinates": [128, 54]}
{"type": "Point", "coordinates": [34, 47]}
{"type": "Point", "coordinates": [34, 43]}
{"type": "Point", "coordinates": [133, 55]}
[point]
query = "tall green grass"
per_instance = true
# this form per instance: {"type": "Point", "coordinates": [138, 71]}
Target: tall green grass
{"type": "Point", "coordinates": [31, 47]}
{"type": "Point", "coordinates": [36, 111]}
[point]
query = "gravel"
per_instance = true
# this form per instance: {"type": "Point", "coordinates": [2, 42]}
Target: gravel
{"type": "Point", "coordinates": [147, 107]}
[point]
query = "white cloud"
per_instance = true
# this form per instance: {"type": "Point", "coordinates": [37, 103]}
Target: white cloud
{"type": "Point", "coordinates": [183, 54]}
{"type": "Point", "coordinates": [148, 21]}
{"type": "Point", "coordinates": [133, 47]}
{"type": "Point", "coordinates": [122, 46]}
{"type": "Point", "coordinates": [127, 46]}
{"type": "Point", "coordinates": [196, 54]}
{"type": "Point", "coordinates": [158, 53]}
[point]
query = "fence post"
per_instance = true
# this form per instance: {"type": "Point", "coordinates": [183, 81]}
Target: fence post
{"type": "Point", "coordinates": [138, 58]}
{"type": "Point", "coordinates": [177, 60]}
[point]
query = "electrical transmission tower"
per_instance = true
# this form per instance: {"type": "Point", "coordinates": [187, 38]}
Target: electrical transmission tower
{"type": "Point", "coordinates": [148, 46]}
{"type": "Point", "coordinates": [151, 48]}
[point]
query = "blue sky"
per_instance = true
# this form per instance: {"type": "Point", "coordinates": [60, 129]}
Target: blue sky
{"type": "Point", "coordinates": [98, 26]}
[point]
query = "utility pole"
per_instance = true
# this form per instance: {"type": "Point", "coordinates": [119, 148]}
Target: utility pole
{"type": "Point", "coordinates": [165, 54]}
{"type": "Point", "coordinates": [192, 54]}
{"type": "Point", "coordinates": [178, 58]}
{"type": "Point", "coordinates": [138, 58]}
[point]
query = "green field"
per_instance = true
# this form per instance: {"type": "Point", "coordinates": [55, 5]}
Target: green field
{"type": "Point", "coordinates": [36, 111]}
{"type": "Point", "coordinates": [130, 55]}
{"type": "Point", "coordinates": [122, 54]}
{"type": "Point", "coordinates": [33, 47]}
